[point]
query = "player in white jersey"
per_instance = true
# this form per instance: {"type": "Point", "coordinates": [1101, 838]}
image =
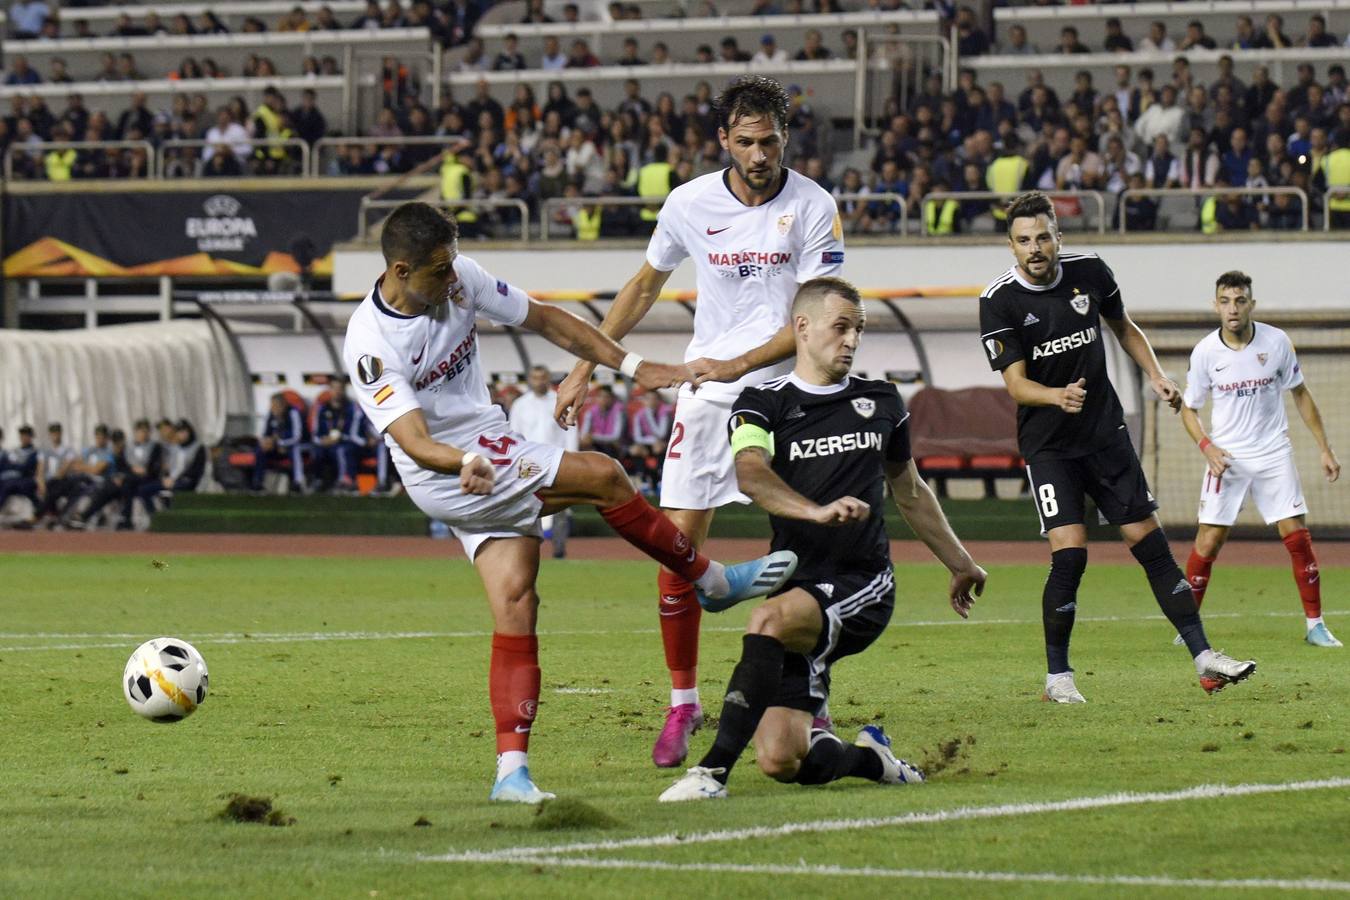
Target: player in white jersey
{"type": "Point", "coordinates": [1245, 367]}
{"type": "Point", "coordinates": [412, 354]}
{"type": "Point", "coordinates": [755, 231]}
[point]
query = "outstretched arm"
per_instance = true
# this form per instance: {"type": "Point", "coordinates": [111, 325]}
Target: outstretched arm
{"type": "Point", "coordinates": [1312, 417]}
{"type": "Point", "coordinates": [778, 348]}
{"type": "Point", "coordinates": [925, 516]}
{"type": "Point", "coordinates": [580, 338]}
{"type": "Point", "coordinates": [629, 307]}
{"type": "Point", "coordinates": [1135, 343]}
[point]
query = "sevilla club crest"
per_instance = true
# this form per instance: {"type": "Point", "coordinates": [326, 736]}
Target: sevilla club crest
{"type": "Point", "coordinates": [1262, 357]}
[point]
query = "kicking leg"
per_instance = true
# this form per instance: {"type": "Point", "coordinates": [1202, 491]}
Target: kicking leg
{"type": "Point", "coordinates": [508, 568]}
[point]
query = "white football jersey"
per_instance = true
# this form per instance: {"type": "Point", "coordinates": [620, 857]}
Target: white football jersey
{"type": "Point", "coordinates": [749, 261]}
{"type": "Point", "coordinates": [1247, 386]}
{"type": "Point", "coordinates": [399, 363]}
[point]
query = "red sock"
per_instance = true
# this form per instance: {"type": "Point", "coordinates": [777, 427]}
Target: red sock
{"type": "Point", "coordinates": [1197, 573]}
{"type": "Point", "coordinates": [680, 616]}
{"type": "Point", "coordinates": [513, 685]}
{"type": "Point", "coordinates": [1306, 576]}
{"type": "Point", "coordinates": [642, 525]}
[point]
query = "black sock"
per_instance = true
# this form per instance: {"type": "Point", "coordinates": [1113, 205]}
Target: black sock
{"type": "Point", "coordinates": [830, 759]}
{"type": "Point", "coordinates": [1059, 601]}
{"type": "Point", "coordinates": [754, 682]}
{"type": "Point", "coordinates": [1171, 589]}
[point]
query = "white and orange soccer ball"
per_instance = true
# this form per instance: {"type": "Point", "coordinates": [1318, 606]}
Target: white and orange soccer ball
{"type": "Point", "coordinates": [165, 680]}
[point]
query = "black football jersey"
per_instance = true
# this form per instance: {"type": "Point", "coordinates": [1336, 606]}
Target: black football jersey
{"type": "Point", "coordinates": [1057, 330]}
{"type": "Point", "coordinates": [830, 442]}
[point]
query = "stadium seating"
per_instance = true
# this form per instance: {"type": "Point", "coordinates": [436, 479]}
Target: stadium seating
{"type": "Point", "coordinates": [231, 13]}
{"type": "Point", "coordinates": [970, 433]}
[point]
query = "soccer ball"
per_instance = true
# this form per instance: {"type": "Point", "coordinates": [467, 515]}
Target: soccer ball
{"type": "Point", "coordinates": [165, 679]}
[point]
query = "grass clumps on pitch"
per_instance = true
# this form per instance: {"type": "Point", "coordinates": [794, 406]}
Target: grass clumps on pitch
{"type": "Point", "coordinates": [569, 814]}
{"type": "Point", "coordinates": [244, 808]}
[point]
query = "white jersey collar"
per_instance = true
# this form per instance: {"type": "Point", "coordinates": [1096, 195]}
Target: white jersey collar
{"type": "Point", "coordinates": [1059, 276]}
{"type": "Point", "coordinates": [817, 388]}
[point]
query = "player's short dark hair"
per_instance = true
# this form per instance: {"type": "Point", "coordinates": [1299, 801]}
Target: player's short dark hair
{"type": "Point", "coordinates": [817, 289]}
{"type": "Point", "coordinates": [1234, 279]}
{"type": "Point", "coordinates": [412, 233]}
{"type": "Point", "coordinates": [1029, 206]}
{"type": "Point", "coordinates": [753, 96]}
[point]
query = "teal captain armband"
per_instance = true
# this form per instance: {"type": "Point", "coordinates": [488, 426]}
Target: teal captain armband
{"type": "Point", "coordinates": [746, 436]}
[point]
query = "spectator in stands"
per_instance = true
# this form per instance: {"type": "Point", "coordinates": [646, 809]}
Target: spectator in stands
{"type": "Point", "coordinates": [209, 23]}
{"type": "Point", "coordinates": [1259, 93]}
{"type": "Point", "coordinates": [333, 447]}
{"type": "Point", "coordinates": [371, 18]}
{"type": "Point", "coordinates": [534, 13]}
{"type": "Point", "coordinates": [581, 56]}
{"type": "Point", "coordinates": [970, 37]}
{"type": "Point", "coordinates": [20, 73]}
{"type": "Point", "coordinates": [294, 21]}
{"type": "Point", "coordinates": [475, 58]}
{"type": "Point", "coordinates": [325, 20]}
{"type": "Point", "coordinates": [308, 120]}
{"type": "Point", "coordinates": [19, 472]}
{"type": "Point", "coordinates": [1163, 170]}
{"type": "Point", "coordinates": [602, 425]}
{"type": "Point", "coordinates": [1069, 42]}
{"type": "Point", "coordinates": [812, 47]}
{"type": "Point", "coordinates": [1246, 37]}
{"type": "Point", "coordinates": [1157, 39]}
{"type": "Point", "coordinates": [1235, 161]}
{"type": "Point", "coordinates": [1140, 211]}
{"type": "Point", "coordinates": [769, 53]}
{"type": "Point", "coordinates": [1195, 37]}
{"type": "Point", "coordinates": [227, 133]}
{"type": "Point", "coordinates": [1119, 165]}
{"type": "Point", "coordinates": [1317, 35]}
{"type": "Point", "coordinates": [1081, 169]}
{"type": "Point", "coordinates": [553, 57]}
{"type": "Point", "coordinates": [510, 58]}
{"type": "Point", "coordinates": [630, 56]}
{"type": "Point", "coordinates": [1163, 118]}
{"type": "Point", "coordinates": [853, 211]}
{"type": "Point", "coordinates": [531, 416]}
{"type": "Point", "coordinates": [26, 18]}
{"type": "Point", "coordinates": [137, 117]}
{"type": "Point", "coordinates": [281, 444]}
{"type": "Point", "coordinates": [1117, 41]}
{"type": "Point", "coordinates": [1017, 44]}
{"type": "Point", "coordinates": [1272, 36]}
{"type": "Point", "coordinates": [1335, 172]}
{"type": "Point", "coordinates": [1199, 164]}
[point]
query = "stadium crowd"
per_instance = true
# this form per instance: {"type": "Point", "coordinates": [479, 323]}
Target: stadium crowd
{"type": "Point", "coordinates": [1129, 127]}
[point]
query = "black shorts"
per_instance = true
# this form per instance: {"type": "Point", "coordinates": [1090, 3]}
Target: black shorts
{"type": "Point", "coordinates": [1112, 477]}
{"type": "Point", "coordinates": [856, 607]}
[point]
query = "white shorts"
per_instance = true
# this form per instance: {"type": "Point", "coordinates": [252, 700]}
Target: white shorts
{"type": "Point", "coordinates": [699, 472]}
{"type": "Point", "coordinates": [1273, 481]}
{"type": "Point", "coordinates": [511, 510]}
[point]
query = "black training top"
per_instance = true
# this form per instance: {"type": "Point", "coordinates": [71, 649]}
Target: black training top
{"type": "Point", "coordinates": [1057, 330]}
{"type": "Point", "coordinates": [831, 441]}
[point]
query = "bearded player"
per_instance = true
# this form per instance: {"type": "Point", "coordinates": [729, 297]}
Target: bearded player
{"type": "Point", "coordinates": [412, 354]}
{"type": "Point", "coordinates": [1245, 367]}
{"type": "Point", "coordinates": [755, 231]}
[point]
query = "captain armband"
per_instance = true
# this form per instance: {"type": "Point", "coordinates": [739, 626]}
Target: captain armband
{"type": "Point", "coordinates": [746, 436]}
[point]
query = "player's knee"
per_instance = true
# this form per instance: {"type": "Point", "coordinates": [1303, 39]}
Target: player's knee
{"type": "Point", "coordinates": [779, 761]}
{"type": "Point", "coordinates": [766, 619]}
{"type": "Point", "coordinates": [1067, 567]}
{"type": "Point", "coordinates": [612, 481]}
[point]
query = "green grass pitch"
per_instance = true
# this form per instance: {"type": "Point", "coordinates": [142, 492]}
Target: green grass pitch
{"type": "Point", "coordinates": [353, 695]}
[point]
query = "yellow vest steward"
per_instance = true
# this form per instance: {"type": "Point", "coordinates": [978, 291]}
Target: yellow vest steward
{"type": "Point", "coordinates": [940, 219]}
{"type": "Point", "coordinates": [272, 129]}
{"type": "Point", "coordinates": [1005, 176]}
{"type": "Point", "coordinates": [1336, 165]}
{"type": "Point", "coordinates": [587, 224]}
{"type": "Point", "coordinates": [1209, 218]}
{"type": "Point", "coordinates": [653, 182]}
{"type": "Point", "coordinates": [453, 175]}
{"type": "Point", "coordinates": [60, 164]}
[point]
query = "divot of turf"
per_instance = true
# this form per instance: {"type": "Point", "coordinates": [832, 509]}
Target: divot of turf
{"type": "Point", "coordinates": [243, 808]}
{"type": "Point", "coordinates": [947, 754]}
{"type": "Point", "coordinates": [568, 814]}
{"type": "Point", "coordinates": [422, 822]}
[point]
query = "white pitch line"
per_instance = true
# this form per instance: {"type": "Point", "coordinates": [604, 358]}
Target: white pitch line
{"type": "Point", "coordinates": [571, 690]}
{"type": "Point", "coordinates": [1199, 792]}
{"type": "Point", "coordinates": [931, 874]}
{"type": "Point", "coordinates": [313, 636]}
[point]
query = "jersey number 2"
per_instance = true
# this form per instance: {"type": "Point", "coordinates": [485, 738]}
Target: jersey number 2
{"type": "Point", "coordinates": [1049, 505]}
{"type": "Point", "coordinates": [677, 435]}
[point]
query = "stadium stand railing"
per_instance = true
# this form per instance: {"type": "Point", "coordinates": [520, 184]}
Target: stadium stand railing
{"type": "Point", "coordinates": [328, 150]}
{"type": "Point", "coordinates": [485, 204]}
{"type": "Point", "coordinates": [231, 13]}
{"type": "Point", "coordinates": [168, 147]}
{"type": "Point", "coordinates": [1199, 195]}
{"type": "Point", "coordinates": [1094, 223]}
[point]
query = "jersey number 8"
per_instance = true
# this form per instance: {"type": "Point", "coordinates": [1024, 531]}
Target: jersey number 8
{"type": "Point", "coordinates": [1049, 505]}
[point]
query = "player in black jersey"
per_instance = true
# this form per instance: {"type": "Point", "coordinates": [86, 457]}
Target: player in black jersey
{"type": "Point", "coordinates": [1041, 327]}
{"type": "Point", "coordinates": [814, 449]}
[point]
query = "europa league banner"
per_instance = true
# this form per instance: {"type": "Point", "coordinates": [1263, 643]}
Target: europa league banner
{"type": "Point", "coordinates": [176, 233]}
